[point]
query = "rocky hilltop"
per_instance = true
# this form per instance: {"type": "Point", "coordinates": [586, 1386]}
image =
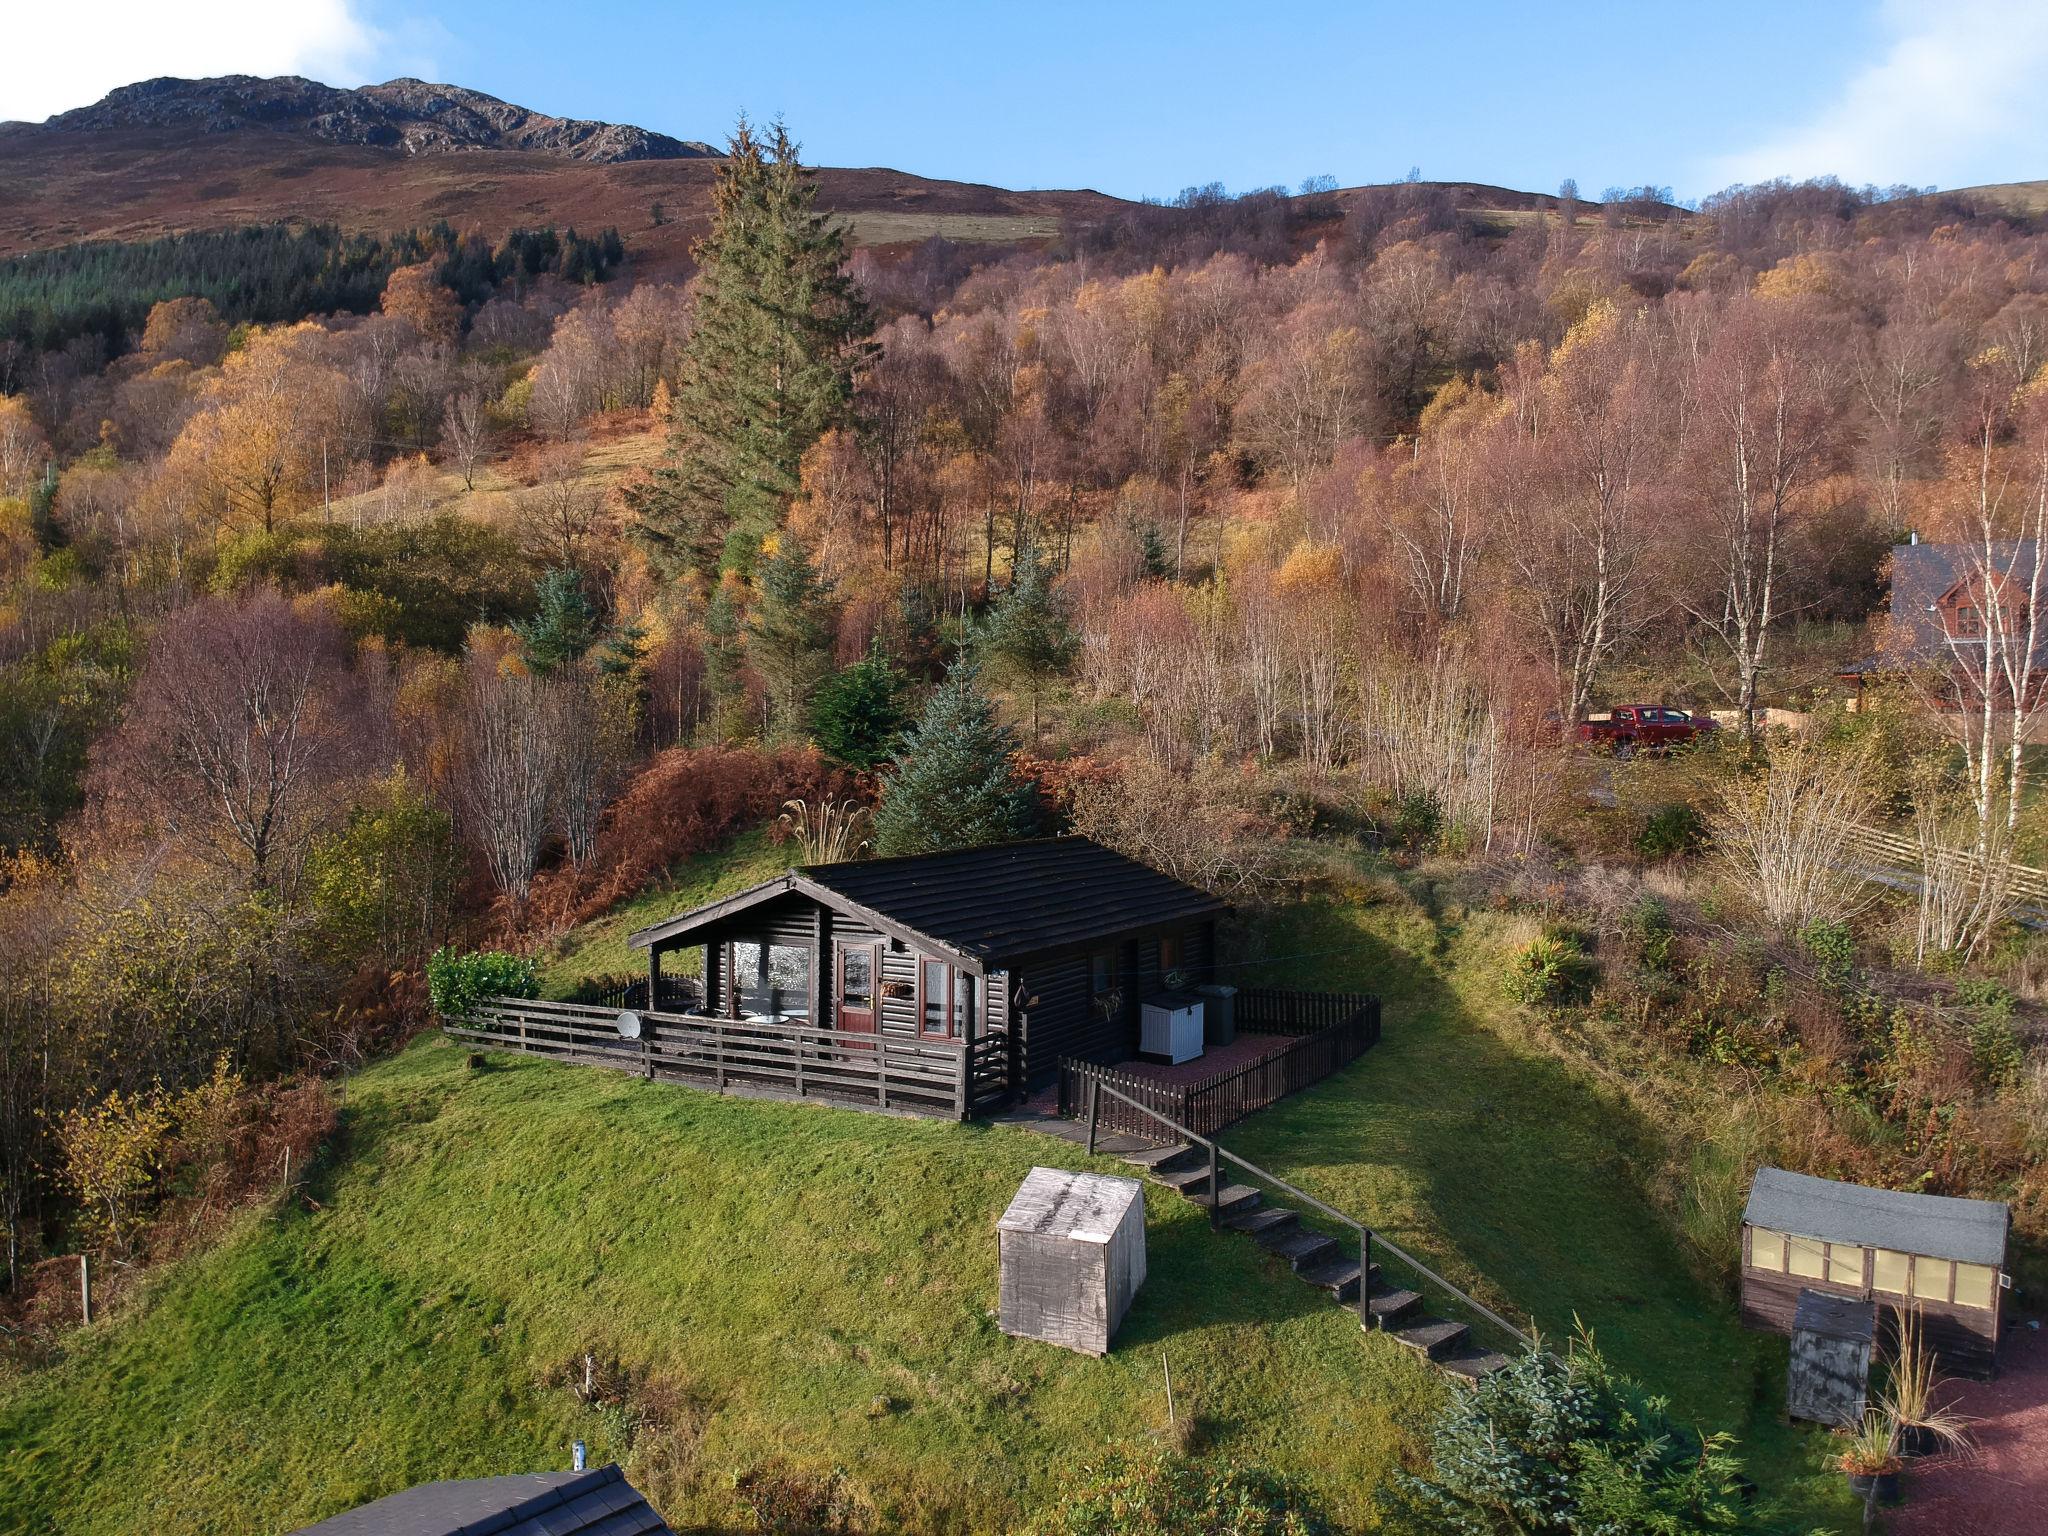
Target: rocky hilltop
{"type": "Point", "coordinates": [412, 117]}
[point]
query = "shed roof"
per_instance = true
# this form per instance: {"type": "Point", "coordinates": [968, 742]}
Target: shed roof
{"type": "Point", "coordinates": [1940, 1226]}
{"type": "Point", "coordinates": [599, 1502]}
{"type": "Point", "coordinates": [987, 907]}
{"type": "Point", "coordinates": [1055, 1202]}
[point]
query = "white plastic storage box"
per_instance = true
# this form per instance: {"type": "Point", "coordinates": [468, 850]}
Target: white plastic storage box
{"type": "Point", "coordinates": [1170, 1027]}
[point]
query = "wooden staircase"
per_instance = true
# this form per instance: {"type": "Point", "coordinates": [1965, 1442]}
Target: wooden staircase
{"type": "Point", "coordinates": [1321, 1262]}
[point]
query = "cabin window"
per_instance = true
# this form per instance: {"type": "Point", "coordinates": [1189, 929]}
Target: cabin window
{"type": "Point", "coordinates": [773, 980]}
{"type": "Point", "coordinates": [1806, 1257]}
{"type": "Point", "coordinates": [1169, 953]}
{"type": "Point", "coordinates": [1101, 974]}
{"type": "Point", "coordinates": [1930, 1278]}
{"type": "Point", "coordinates": [1976, 1285]}
{"type": "Point", "coordinates": [1968, 623]}
{"type": "Point", "coordinates": [932, 997]}
{"type": "Point", "coordinates": [1766, 1250]}
{"type": "Point", "coordinates": [948, 1000]}
{"type": "Point", "coordinates": [1845, 1264]}
{"type": "Point", "coordinates": [966, 1002]}
{"type": "Point", "coordinates": [1888, 1271]}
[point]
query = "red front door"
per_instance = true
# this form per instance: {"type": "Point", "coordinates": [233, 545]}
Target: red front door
{"type": "Point", "coordinates": [858, 980]}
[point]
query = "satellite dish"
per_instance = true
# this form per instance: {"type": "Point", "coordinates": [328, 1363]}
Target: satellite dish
{"type": "Point", "coordinates": [629, 1025]}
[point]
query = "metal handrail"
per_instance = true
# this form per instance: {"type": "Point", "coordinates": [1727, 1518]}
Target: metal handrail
{"type": "Point", "coordinates": [1366, 1235]}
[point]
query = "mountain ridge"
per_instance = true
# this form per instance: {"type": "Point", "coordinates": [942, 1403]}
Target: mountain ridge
{"type": "Point", "coordinates": [410, 116]}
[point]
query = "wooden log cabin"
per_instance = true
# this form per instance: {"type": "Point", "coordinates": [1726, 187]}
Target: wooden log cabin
{"type": "Point", "coordinates": [1934, 1254]}
{"type": "Point", "coordinates": [1018, 954]}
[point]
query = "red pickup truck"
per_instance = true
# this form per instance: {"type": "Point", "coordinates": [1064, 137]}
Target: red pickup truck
{"type": "Point", "coordinates": [1652, 727]}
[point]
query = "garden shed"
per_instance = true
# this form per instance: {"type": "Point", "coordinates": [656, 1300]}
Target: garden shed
{"type": "Point", "coordinates": [1938, 1255]}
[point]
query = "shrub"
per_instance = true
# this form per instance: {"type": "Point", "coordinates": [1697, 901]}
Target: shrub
{"type": "Point", "coordinates": [1418, 820]}
{"type": "Point", "coordinates": [113, 1154]}
{"type": "Point", "coordinates": [458, 980]}
{"type": "Point", "coordinates": [1566, 1444]}
{"type": "Point", "coordinates": [1671, 833]}
{"type": "Point", "coordinates": [1995, 1049]}
{"type": "Point", "coordinates": [1649, 931]}
{"type": "Point", "coordinates": [1833, 948]}
{"type": "Point", "coordinates": [1547, 971]}
{"type": "Point", "coordinates": [1166, 1495]}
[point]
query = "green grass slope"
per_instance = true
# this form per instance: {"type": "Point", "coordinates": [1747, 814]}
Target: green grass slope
{"type": "Point", "coordinates": [814, 1286]}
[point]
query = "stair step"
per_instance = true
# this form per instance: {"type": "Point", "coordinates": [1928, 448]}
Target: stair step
{"type": "Point", "coordinates": [1157, 1157]}
{"type": "Point", "coordinates": [1387, 1303]}
{"type": "Point", "coordinates": [1339, 1277]}
{"type": "Point", "coordinates": [1472, 1364]}
{"type": "Point", "coordinates": [1261, 1219]}
{"type": "Point", "coordinates": [1189, 1181]}
{"type": "Point", "coordinates": [1430, 1337]}
{"type": "Point", "coordinates": [1302, 1249]}
{"type": "Point", "coordinates": [1235, 1197]}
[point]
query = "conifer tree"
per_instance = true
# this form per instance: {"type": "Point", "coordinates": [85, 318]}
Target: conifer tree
{"type": "Point", "coordinates": [955, 788]}
{"type": "Point", "coordinates": [858, 713]}
{"type": "Point", "coordinates": [778, 334]}
{"type": "Point", "coordinates": [1029, 639]}
{"type": "Point", "coordinates": [789, 633]}
{"type": "Point", "coordinates": [564, 625]}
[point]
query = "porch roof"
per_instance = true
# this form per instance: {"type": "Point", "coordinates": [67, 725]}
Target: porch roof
{"type": "Point", "coordinates": [986, 908]}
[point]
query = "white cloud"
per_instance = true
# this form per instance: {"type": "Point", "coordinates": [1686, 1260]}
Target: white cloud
{"type": "Point", "coordinates": [67, 55]}
{"type": "Point", "coordinates": [1952, 99]}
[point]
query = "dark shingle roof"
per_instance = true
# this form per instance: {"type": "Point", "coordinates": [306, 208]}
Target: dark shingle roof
{"type": "Point", "coordinates": [1940, 1226]}
{"type": "Point", "coordinates": [990, 906]}
{"type": "Point", "coordinates": [599, 1502]}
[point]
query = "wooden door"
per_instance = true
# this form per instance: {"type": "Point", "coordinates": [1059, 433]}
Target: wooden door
{"type": "Point", "coordinates": [857, 980]}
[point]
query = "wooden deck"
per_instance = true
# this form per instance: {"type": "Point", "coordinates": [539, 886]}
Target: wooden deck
{"type": "Point", "coordinates": [1318, 1034]}
{"type": "Point", "coordinates": [754, 1057]}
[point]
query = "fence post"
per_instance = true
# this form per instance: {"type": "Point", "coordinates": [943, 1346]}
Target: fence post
{"type": "Point", "coordinates": [881, 1069]}
{"type": "Point", "coordinates": [85, 1288]}
{"type": "Point", "coordinates": [1215, 1188]}
{"type": "Point", "coordinates": [960, 1080]}
{"type": "Point", "coordinates": [1365, 1277]}
{"type": "Point", "coordinates": [1094, 1109]}
{"type": "Point", "coordinates": [647, 1048]}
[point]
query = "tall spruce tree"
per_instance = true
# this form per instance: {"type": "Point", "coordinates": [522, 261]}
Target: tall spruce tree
{"type": "Point", "coordinates": [778, 333]}
{"type": "Point", "coordinates": [858, 715]}
{"type": "Point", "coordinates": [789, 632]}
{"type": "Point", "coordinates": [955, 788]}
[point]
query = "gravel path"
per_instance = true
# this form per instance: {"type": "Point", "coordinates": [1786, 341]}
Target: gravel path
{"type": "Point", "coordinates": [2000, 1487]}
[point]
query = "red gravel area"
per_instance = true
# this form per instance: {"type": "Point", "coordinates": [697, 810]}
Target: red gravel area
{"type": "Point", "coordinates": [2000, 1486]}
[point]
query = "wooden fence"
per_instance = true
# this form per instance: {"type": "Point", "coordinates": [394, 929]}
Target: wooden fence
{"type": "Point", "coordinates": [1333, 1029]}
{"type": "Point", "coordinates": [1899, 855]}
{"type": "Point", "coordinates": [793, 1060]}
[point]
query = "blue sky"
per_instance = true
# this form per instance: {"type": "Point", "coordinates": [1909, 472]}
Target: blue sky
{"type": "Point", "coordinates": [1145, 98]}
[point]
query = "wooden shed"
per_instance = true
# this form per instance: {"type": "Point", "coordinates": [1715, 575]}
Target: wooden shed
{"type": "Point", "coordinates": [1934, 1254]}
{"type": "Point", "coordinates": [1072, 1257]}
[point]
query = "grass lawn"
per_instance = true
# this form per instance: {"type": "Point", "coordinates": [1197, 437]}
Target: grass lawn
{"type": "Point", "coordinates": [810, 1287]}
{"type": "Point", "coordinates": [1500, 1166]}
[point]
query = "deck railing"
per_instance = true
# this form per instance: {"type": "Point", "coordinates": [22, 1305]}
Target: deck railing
{"type": "Point", "coordinates": [1333, 1029]}
{"type": "Point", "coordinates": [785, 1060]}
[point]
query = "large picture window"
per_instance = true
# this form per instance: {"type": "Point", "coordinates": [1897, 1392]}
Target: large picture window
{"type": "Point", "coordinates": [773, 981]}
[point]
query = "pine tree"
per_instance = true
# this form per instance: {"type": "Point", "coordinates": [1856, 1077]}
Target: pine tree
{"type": "Point", "coordinates": [858, 713]}
{"type": "Point", "coordinates": [789, 634]}
{"type": "Point", "coordinates": [955, 788]}
{"type": "Point", "coordinates": [1029, 639]}
{"type": "Point", "coordinates": [779, 331]}
{"type": "Point", "coordinates": [564, 625]}
{"type": "Point", "coordinates": [724, 660]}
